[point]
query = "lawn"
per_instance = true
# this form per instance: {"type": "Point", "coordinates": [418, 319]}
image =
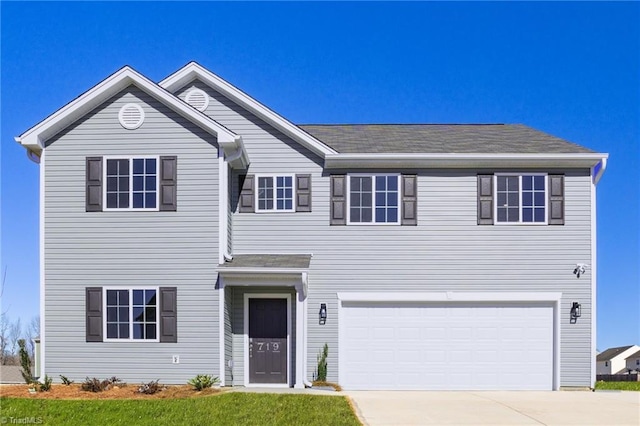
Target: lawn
{"type": "Point", "coordinates": [626, 386]}
{"type": "Point", "coordinates": [229, 408]}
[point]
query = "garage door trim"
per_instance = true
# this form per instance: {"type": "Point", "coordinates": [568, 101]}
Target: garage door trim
{"type": "Point", "coordinates": [451, 296]}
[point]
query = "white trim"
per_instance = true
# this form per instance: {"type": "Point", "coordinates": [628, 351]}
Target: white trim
{"type": "Point", "coordinates": [130, 290]}
{"type": "Point", "coordinates": [130, 158]}
{"type": "Point", "coordinates": [43, 340]}
{"type": "Point", "coordinates": [274, 178]}
{"type": "Point", "coordinates": [450, 160]}
{"type": "Point", "coordinates": [222, 206]}
{"type": "Point", "coordinates": [373, 199]}
{"type": "Point", "coordinates": [450, 296]}
{"type": "Point", "coordinates": [603, 167]}
{"type": "Point", "coordinates": [594, 273]}
{"type": "Point", "coordinates": [35, 137]}
{"type": "Point", "coordinates": [519, 175]}
{"type": "Point", "coordinates": [248, 296]}
{"type": "Point", "coordinates": [192, 70]}
{"type": "Point", "coordinates": [221, 332]}
{"type": "Point", "coordinates": [123, 122]}
{"type": "Point", "coordinates": [455, 297]}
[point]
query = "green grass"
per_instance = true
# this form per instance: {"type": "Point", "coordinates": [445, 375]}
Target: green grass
{"type": "Point", "coordinates": [626, 386]}
{"type": "Point", "coordinates": [225, 409]}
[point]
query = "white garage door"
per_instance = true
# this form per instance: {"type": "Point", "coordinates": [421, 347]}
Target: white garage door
{"type": "Point", "coordinates": [446, 346]}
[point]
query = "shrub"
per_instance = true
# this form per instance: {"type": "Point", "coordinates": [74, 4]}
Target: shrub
{"type": "Point", "coordinates": [45, 386]}
{"type": "Point", "coordinates": [150, 388]}
{"type": "Point", "coordinates": [322, 364]}
{"type": "Point", "coordinates": [96, 385]}
{"type": "Point", "coordinates": [25, 363]}
{"type": "Point", "coordinates": [65, 380]}
{"type": "Point", "coordinates": [203, 381]}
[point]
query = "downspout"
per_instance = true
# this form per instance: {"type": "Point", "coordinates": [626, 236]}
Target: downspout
{"type": "Point", "coordinates": [228, 257]}
{"type": "Point", "coordinates": [305, 286]}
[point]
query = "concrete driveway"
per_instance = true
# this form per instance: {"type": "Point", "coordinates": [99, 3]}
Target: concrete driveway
{"type": "Point", "coordinates": [497, 408]}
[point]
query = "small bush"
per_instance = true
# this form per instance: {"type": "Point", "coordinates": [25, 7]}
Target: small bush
{"type": "Point", "coordinates": [25, 362]}
{"type": "Point", "coordinates": [321, 375]}
{"type": "Point", "coordinates": [150, 388]}
{"type": "Point", "coordinates": [96, 385]}
{"type": "Point", "coordinates": [65, 380]}
{"type": "Point", "coordinates": [203, 381]}
{"type": "Point", "coordinates": [45, 386]}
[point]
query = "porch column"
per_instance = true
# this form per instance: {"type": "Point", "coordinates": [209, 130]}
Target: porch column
{"type": "Point", "coordinates": [301, 301]}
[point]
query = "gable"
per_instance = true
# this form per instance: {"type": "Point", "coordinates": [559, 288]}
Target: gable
{"type": "Point", "coordinates": [35, 138]}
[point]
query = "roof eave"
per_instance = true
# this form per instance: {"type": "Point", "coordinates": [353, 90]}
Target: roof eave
{"type": "Point", "coordinates": [385, 161]}
{"type": "Point", "coordinates": [35, 137]}
{"type": "Point", "coordinates": [194, 70]}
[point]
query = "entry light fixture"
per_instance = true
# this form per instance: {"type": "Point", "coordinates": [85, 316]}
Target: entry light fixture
{"type": "Point", "coordinates": [576, 309]}
{"type": "Point", "coordinates": [579, 269]}
{"type": "Point", "coordinates": [323, 313]}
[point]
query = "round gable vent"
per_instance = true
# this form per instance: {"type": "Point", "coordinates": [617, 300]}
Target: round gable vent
{"type": "Point", "coordinates": [198, 99]}
{"type": "Point", "coordinates": [131, 116]}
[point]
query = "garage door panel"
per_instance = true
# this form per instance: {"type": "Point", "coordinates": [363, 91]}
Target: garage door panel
{"type": "Point", "coordinates": [446, 346]}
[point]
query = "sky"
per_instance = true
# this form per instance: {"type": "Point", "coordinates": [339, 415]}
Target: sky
{"type": "Point", "coordinates": [569, 69]}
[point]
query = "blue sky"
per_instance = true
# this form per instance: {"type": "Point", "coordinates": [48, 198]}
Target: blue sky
{"type": "Point", "coordinates": [570, 69]}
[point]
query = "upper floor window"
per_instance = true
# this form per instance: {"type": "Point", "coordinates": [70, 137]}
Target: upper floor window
{"type": "Point", "coordinates": [374, 199]}
{"type": "Point", "coordinates": [132, 183]}
{"type": "Point", "coordinates": [132, 314]}
{"type": "Point", "coordinates": [275, 193]}
{"type": "Point", "coordinates": [521, 198]}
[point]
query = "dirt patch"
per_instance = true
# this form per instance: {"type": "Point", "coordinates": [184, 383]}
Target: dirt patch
{"type": "Point", "coordinates": [117, 392]}
{"type": "Point", "coordinates": [318, 383]}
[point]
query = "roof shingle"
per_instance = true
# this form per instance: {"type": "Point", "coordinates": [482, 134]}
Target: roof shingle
{"type": "Point", "coordinates": [440, 139]}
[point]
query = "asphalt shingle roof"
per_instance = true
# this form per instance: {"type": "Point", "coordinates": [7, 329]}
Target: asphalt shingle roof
{"type": "Point", "coordinates": [269, 261]}
{"type": "Point", "coordinates": [440, 139]}
{"type": "Point", "coordinates": [611, 353]}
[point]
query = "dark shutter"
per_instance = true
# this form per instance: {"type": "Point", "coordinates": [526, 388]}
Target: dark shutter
{"type": "Point", "coordinates": [338, 200]}
{"type": "Point", "coordinates": [485, 199]}
{"type": "Point", "coordinates": [556, 200]}
{"type": "Point", "coordinates": [93, 309]}
{"type": "Point", "coordinates": [168, 183]}
{"type": "Point", "coordinates": [247, 194]}
{"type": "Point", "coordinates": [94, 184]}
{"type": "Point", "coordinates": [409, 200]}
{"type": "Point", "coordinates": [303, 193]}
{"type": "Point", "coordinates": [168, 315]}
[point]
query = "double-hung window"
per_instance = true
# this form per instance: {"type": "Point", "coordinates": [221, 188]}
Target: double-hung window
{"type": "Point", "coordinates": [275, 193]}
{"type": "Point", "coordinates": [132, 314]}
{"type": "Point", "coordinates": [521, 198]}
{"type": "Point", "coordinates": [132, 183]}
{"type": "Point", "coordinates": [374, 199]}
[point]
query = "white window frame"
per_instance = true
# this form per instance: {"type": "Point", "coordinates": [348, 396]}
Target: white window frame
{"type": "Point", "coordinates": [373, 199]}
{"type": "Point", "coordinates": [274, 177]}
{"type": "Point", "coordinates": [130, 290]}
{"type": "Point", "coordinates": [130, 158]}
{"type": "Point", "coordinates": [519, 175]}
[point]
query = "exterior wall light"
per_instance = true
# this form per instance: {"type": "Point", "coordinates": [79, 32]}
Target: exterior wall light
{"type": "Point", "coordinates": [576, 312]}
{"type": "Point", "coordinates": [323, 313]}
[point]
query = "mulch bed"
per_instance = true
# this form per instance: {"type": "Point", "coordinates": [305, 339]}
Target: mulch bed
{"type": "Point", "coordinates": [129, 391]}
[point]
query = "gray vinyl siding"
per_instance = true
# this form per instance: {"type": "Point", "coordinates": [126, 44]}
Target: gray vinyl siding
{"type": "Point", "coordinates": [228, 336]}
{"type": "Point", "coordinates": [131, 248]}
{"type": "Point", "coordinates": [446, 251]}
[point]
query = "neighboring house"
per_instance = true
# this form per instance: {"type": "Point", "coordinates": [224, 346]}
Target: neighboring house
{"type": "Point", "coordinates": [186, 228]}
{"type": "Point", "coordinates": [632, 363]}
{"type": "Point", "coordinates": [613, 360]}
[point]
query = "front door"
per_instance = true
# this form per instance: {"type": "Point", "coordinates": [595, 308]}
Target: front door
{"type": "Point", "coordinates": [268, 341]}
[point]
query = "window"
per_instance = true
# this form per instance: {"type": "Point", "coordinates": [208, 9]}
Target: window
{"type": "Point", "coordinates": [521, 198]}
{"type": "Point", "coordinates": [275, 193]}
{"type": "Point", "coordinates": [131, 183]}
{"type": "Point", "coordinates": [132, 314]}
{"type": "Point", "coordinates": [374, 199]}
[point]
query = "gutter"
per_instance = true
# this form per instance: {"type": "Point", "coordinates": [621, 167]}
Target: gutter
{"type": "Point", "coordinates": [598, 170]}
{"type": "Point", "coordinates": [32, 155]}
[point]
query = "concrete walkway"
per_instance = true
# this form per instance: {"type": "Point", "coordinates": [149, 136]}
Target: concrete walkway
{"type": "Point", "coordinates": [496, 408]}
